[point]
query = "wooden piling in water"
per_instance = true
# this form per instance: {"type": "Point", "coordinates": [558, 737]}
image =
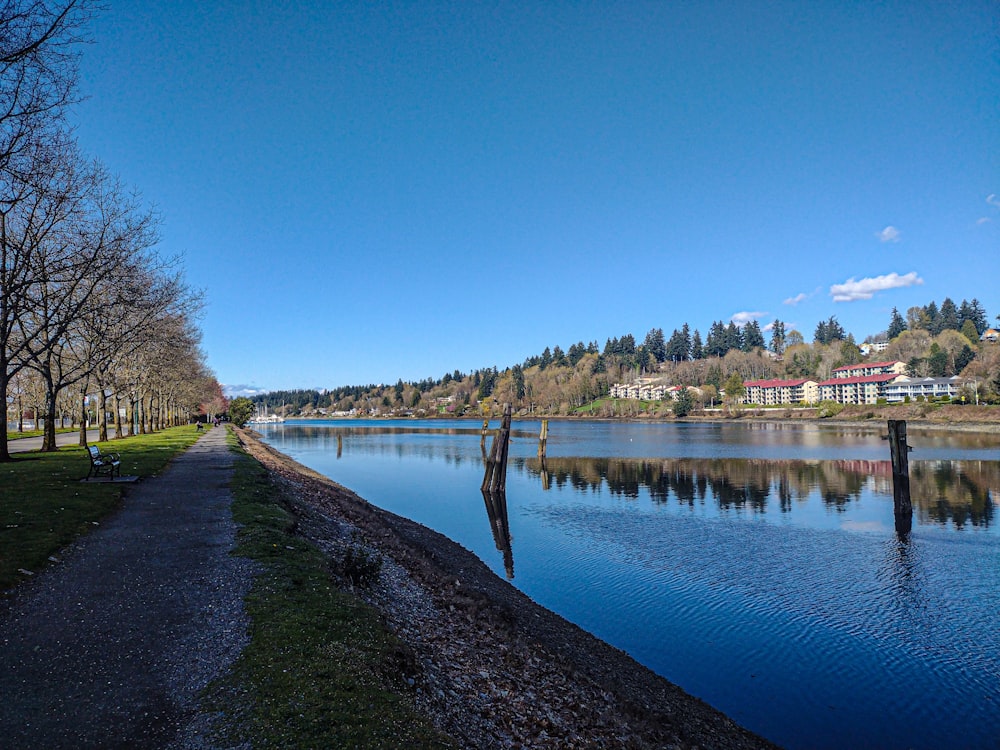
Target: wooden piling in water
{"type": "Point", "coordinates": [899, 453]}
{"type": "Point", "coordinates": [495, 478]}
{"type": "Point", "coordinates": [543, 438]}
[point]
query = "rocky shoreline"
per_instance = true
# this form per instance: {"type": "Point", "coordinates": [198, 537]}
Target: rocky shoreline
{"type": "Point", "coordinates": [488, 665]}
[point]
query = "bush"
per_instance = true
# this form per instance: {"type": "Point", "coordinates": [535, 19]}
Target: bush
{"type": "Point", "coordinates": [829, 409]}
{"type": "Point", "coordinates": [240, 410]}
{"type": "Point", "coordinates": [361, 567]}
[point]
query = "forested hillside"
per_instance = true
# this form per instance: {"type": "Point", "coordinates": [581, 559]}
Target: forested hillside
{"type": "Point", "coordinates": [933, 340]}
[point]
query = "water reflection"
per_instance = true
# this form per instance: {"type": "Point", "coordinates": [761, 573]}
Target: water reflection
{"type": "Point", "coordinates": [496, 511]}
{"type": "Point", "coordinates": [956, 493]}
{"type": "Point", "coordinates": [323, 430]}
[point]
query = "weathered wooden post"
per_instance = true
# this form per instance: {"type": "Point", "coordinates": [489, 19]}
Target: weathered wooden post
{"type": "Point", "coordinates": [495, 478]}
{"type": "Point", "coordinates": [899, 453]}
{"type": "Point", "coordinates": [482, 439]}
{"type": "Point", "coordinates": [543, 438]}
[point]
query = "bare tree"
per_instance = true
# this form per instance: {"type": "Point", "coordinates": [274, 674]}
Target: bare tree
{"type": "Point", "coordinates": [100, 234]}
{"type": "Point", "coordinates": [39, 48]}
{"type": "Point", "coordinates": [39, 42]}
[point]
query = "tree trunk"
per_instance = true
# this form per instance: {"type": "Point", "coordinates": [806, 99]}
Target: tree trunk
{"type": "Point", "coordinates": [49, 437]}
{"type": "Point", "coordinates": [118, 417]}
{"type": "Point", "coordinates": [83, 417]}
{"type": "Point", "coordinates": [4, 384]}
{"type": "Point", "coordinates": [102, 419]}
{"type": "Point", "coordinates": [130, 416]}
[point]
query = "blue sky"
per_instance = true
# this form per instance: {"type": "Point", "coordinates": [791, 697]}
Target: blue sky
{"type": "Point", "coordinates": [374, 191]}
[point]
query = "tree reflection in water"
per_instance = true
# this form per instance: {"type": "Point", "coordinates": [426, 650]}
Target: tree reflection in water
{"type": "Point", "coordinates": [943, 492]}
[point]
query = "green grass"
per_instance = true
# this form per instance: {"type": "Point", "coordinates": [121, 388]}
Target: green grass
{"type": "Point", "coordinates": [44, 505]}
{"type": "Point", "coordinates": [14, 435]}
{"type": "Point", "coordinates": [321, 670]}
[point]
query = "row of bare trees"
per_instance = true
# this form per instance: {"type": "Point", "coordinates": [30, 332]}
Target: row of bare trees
{"type": "Point", "coordinates": [87, 305]}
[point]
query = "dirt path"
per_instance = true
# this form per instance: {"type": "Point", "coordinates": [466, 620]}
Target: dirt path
{"type": "Point", "coordinates": [110, 647]}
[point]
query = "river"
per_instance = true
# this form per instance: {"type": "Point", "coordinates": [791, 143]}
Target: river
{"type": "Point", "coordinates": [756, 565]}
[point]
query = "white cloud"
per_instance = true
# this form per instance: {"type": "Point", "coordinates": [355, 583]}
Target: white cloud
{"type": "Point", "coordinates": [993, 200]}
{"type": "Point", "coordinates": [801, 297]}
{"type": "Point", "coordinates": [855, 289]}
{"type": "Point", "coordinates": [889, 234]}
{"type": "Point", "coordinates": [983, 220]}
{"type": "Point", "coordinates": [742, 318]}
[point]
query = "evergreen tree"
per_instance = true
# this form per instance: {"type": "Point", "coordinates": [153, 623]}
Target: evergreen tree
{"type": "Point", "coordinates": [488, 383]}
{"type": "Point", "coordinates": [896, 325]}
{"type": "Point", "coordinates": [948, 316]}
{"type": "Point", "coordinates": [778, 337]}
{"type": "Point", "coordinates": [753, 337]}
{"type": "Point", "coordinates": [849, 354]}
{"type": "Point", "coordinates": [963, 358]}
{"type": "Point", "coordinates": [828, 331]}
{"type": "Point", "coordinates": [697, 350]}
{"type": "Point", "coordinates": [969, 331]}
{"type": "Point", "coordinates": [655, 344]}
{"type": "Point", "coordinates": [933, 322]}
{"type": "Point", "coordinates": [684, 403]}
{"type": "Point", "coordinates": [733, 338]}
{"type": "Point", "coordinates": [978, 316]}
{"type": "Point", "coordinates": [678, 348]}
{"type": "Point", "coordinates": [716, 344]}
{"type": "Point", "coordinates": [517, 375]}
{"type": "Point", "coordinates": [240, 410]}
{"type": "Point", "coordinates": [937, 361]}
{"type": "Point", "coordinates": [546, 359]}
{"type": "Point", "coordinates": [558, 357]}
{"type": "Point", "coordinates": [714, 376]}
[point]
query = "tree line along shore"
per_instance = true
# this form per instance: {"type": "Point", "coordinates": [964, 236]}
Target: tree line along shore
{"type": "Point", "coordinates": [932, 341]}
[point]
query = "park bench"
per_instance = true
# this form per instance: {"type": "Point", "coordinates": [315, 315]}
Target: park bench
{"type": "Point", "coordinates": [107, 464]}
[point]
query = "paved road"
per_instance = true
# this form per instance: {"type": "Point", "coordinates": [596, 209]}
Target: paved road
{"type": "Point", "coordinates": [22, 445]}
{"type": "Point", "coordinates": [109, 648]}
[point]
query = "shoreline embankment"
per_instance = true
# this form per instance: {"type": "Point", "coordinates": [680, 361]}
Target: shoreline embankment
{"type": "Point", "coordinates": [494, 668]}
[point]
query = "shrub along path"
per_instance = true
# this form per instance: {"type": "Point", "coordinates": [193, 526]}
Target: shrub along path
{"type": "Point", "coordinates": [110, 647]}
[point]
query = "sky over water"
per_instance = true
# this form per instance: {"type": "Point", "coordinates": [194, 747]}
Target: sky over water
{"type": "Point", "coordinates": [368, 192]}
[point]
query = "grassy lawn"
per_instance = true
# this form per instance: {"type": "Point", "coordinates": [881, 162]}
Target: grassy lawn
{"type": "Point", "coordinates": [320, 670]}
{"type": "Point", "coordinates": [45, 506]}
{"type": "Point", "coordinates": [37, 433]}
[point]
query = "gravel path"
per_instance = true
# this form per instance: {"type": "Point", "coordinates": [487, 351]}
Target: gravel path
{"type": "Point", "coordinates": [109, 648]}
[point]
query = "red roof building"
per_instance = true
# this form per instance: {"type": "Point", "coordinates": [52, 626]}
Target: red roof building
{"type": "Point", "coordinates": [866, 389]}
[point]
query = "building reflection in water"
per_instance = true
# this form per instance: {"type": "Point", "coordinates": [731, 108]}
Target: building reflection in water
{"type": "Point", "coordinates": [944, 492]}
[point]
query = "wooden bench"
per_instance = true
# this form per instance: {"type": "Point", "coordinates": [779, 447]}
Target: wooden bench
{"type": "Point", "coordinates": [107, 464]}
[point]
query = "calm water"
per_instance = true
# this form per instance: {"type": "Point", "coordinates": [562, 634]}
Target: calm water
{"type": "Point", "coordinates": [757, 566]}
